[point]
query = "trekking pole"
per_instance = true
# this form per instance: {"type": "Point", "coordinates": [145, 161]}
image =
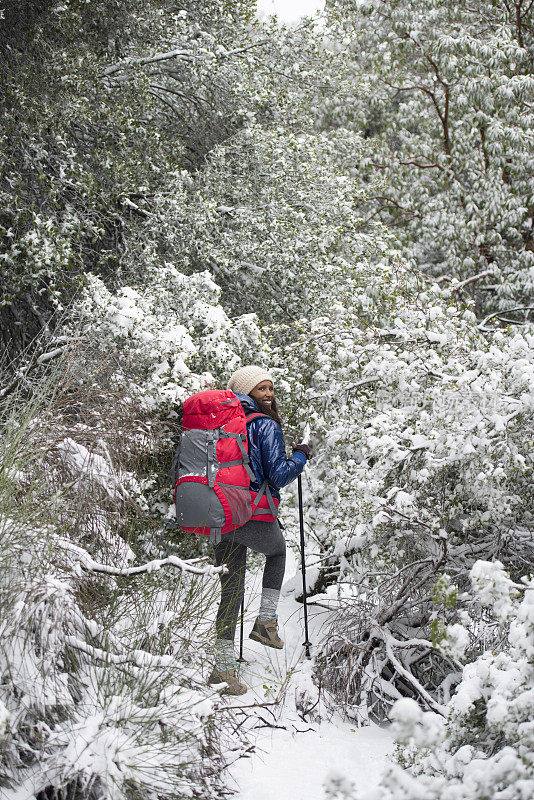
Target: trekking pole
{"type": "Point", "coordinates": [241, 659]}
{"type": "Point", "coordinates": [306, 643]}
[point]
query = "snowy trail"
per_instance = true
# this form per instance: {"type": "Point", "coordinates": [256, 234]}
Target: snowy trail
{"type": "Point", "coordinates": [295, 758]}
{"type": "Point", "coordinates": [296, 765]}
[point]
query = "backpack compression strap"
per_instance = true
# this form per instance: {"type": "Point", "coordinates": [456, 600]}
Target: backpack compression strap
{"type": "Point", "coordinates": [264, 490]}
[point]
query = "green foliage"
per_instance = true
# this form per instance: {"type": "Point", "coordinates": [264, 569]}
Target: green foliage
{"type": "Point", "coordinates": [273, 216]}
{"type": "Point", "coordinates": [438, 632]}
{"type": "Point", "coordinates": [71, 160]}
{"type": "Point", "coordinates": [444, 591]}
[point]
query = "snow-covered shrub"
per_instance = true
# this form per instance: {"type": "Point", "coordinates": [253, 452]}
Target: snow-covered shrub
{"type": "Point", "coordinates": [423, 425]}
{"type": "Point", "coordinates": [338, 787]}
{"type": "Point", "coordinates": [109, 704]}
{"type": "Point", "coordinates": [483, 749]}
{"type": "Point", "coordinates": [101, 659]}
{"type": "Point", "coordinates": [431, 424]}
{"type": "Point", "coordinates": [169, 338]}
{"type": "Point", "coordinates": [156, 344]}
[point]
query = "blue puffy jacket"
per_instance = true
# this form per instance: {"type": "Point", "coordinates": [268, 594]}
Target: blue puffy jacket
{"type": "Point", "coordinates": [267, 451]}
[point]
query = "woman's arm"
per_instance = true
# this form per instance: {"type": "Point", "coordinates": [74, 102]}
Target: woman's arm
{"type": "Point", "coordinates": [277, 467]}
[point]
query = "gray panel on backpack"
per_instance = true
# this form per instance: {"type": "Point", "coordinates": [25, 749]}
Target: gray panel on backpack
{"type": "Point", "coordinates": [193, 450]}
{"type": "Point", "coordinates": [197, 506]}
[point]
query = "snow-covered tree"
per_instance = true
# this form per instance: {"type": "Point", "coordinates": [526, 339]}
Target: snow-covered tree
{"type": "Point", "coordinates": [101, 101]}
{"type": "Point", "coordinates": [444, 91]}
{"type": "Point", "coordinates": [272, 215]}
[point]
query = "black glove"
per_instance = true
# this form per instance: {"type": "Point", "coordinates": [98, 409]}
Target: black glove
{"type": "Point", "coordinates": [302, 448]}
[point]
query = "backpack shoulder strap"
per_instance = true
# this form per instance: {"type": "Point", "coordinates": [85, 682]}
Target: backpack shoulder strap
{"type": "Point", "coordinates": [255, 415]}
{"type": "Point", "coordinates": [251, 413]}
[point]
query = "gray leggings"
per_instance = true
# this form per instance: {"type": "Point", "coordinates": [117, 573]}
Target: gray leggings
{"type": "Point", "coordinates": [263, 537]}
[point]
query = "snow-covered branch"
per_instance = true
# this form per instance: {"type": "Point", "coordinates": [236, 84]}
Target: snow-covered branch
{"type": "Point", "coordinates": [37, 360]}
{"type": "Point", "coordinates": [407, 674]}
{"type": "Point", "coordinates": [459, 286]}
{"type": "Point", "coordinates": [179, 54]}
{"type": "Point", "coordinates": [86, 562]}
{"type": "Point", "coordinates": [154, 566]}
{"type": "Point", "coordinates": [500, 315]}
{"type": "Point", "coordinates": [134, 63]}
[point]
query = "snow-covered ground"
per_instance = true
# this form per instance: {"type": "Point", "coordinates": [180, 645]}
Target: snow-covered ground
{"type": "Point", "coordinates": [295, 755]}
{"type": "Point", "coordinates": [297, 765]}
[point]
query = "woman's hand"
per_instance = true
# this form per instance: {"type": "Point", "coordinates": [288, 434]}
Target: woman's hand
{"type": "Point", "coordinates": [302, 448]}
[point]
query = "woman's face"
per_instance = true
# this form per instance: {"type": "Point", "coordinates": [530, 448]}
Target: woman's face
{"type": "Point", "coordinates": [264, 393]}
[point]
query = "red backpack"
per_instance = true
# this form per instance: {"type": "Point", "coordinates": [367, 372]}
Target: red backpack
{"type": "Point", "coordinates": [212, 492]}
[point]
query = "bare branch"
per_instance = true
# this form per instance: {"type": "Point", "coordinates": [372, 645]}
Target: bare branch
{"type": "Point", "coordinates": [422, 166]}
{"type": "Point", "coordinates": [414, 521]}
{"type": "Point", "coordinates": [498, 314]}
{"type": "Point", "coordinates": [459, 286]}
{"type": "Point", "coordinates": [36, 361]}
{"type": "Point", "coordinates": [406, 674]}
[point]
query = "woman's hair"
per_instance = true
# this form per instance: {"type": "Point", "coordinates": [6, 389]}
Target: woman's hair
{"type": "Point", "coordinates": [270, 411]}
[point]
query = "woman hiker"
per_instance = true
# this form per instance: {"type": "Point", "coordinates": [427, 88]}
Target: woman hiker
{"type": "Point", "coordinates": [255, 388]}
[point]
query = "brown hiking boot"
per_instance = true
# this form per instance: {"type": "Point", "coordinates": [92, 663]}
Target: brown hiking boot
{"type": "Point", "coordinates": [229, 677]}
{"type": "Point", "coordinates": [266, 632]}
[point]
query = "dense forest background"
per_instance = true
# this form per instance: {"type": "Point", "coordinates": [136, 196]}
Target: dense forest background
{"type": "Point", "coordinates": [183, 190]}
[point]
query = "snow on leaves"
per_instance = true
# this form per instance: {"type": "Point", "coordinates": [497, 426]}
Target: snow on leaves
{"type": "Point", "coordinates": [445, 93]}
{"type": "Point", "coordinates": [173, 333]}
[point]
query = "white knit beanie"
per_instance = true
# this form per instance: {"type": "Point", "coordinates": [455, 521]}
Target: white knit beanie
{"type": "Point", "coordinates": [245, 379]}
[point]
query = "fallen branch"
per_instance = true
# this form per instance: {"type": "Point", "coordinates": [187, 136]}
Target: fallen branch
{"type": "Point", "coordinates": [406, 674]}
{"type": "Point", "coordinates": [127, 203]}
{"type": "Point", "coordinates": [415, 642]}
{"type": "Point", "coordinates": [387, 614]}
{"type": "Point", "coordinates": [240, 708]}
